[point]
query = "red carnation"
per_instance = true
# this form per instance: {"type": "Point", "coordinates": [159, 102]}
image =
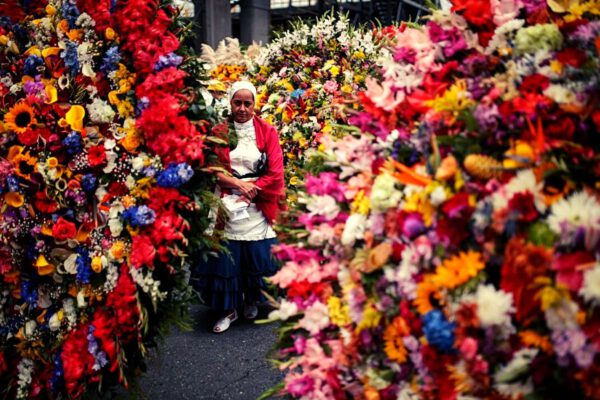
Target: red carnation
{"type": "Point", "coordinates": [63, 230]}
{"type": "Point", "coordinates": [96, 155]}
{"type": "Point", "coordinates": [476, 12]}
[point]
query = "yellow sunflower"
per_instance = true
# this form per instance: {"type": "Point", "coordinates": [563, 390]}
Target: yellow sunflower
{"type": "Point", "coordinates": [20, 117]}
{"type": "Point", "coordinates": [394, 345]}
{"type": "Point", "coordinates": [458, 269]}
{"type": "Point", "coordinates": [426, 292]}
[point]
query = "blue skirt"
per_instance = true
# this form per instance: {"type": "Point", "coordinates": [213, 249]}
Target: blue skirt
{"type": "Point", "coordinates": [226, 280]}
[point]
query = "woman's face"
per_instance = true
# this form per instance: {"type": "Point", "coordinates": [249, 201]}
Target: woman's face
{"type": "Point", "coordinates": [242, 106]}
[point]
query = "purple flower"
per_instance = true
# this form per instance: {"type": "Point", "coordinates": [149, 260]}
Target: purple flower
{"type": "Point", "coordinates": [325, 184]}
{"type": "Point", "coordinates": [487, 117]}
{"type": "Point", "coordinates": [406, 55]}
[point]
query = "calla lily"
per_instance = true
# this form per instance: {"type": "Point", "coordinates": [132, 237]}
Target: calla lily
{"type": "Point", "coordinates": [50, 51]}
{"type": "Point", "coordinates": [43, 266]}
{"type": "Point", "coordinates": [14, 199]}
{"type": "Point", "coordinates": [51, 94]}
{"type": "Point", "coordinates": [75, 117]}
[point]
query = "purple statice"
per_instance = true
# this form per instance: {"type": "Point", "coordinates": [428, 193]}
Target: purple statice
{"type": "Point", "coordinates": [487, 117]}
{"type": "Point", "coordinates": [573, 342]}
{"type": "Point", "coordinates": [438, 331]}
{"type": "Point", "coordinates": [32, 63]}
{"type": "Point", "coordinates": [100, 359]}
{"type": "Point", "coordinates": [170, 60]}
{"type": "Point", "coordinates": [77, 196]}
{"type": "Point", "coordinates": [12, 183]}
{"type": "Point", "coordinates": [111, 59]}
{"type": "Point", "coordinates": [33, 87]}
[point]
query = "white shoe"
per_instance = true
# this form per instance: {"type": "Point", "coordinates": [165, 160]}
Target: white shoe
{"type": "Point", "coordinates": [224, 323]}
{"type": "Point", "coordinates": [250, 311]}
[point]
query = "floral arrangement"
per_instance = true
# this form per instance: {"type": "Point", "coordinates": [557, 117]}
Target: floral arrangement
{"type": "Point", "coordinates": [451, 250]}
{"type": "Point", "coordinates": [306, 77]}
{"type": "Point", "coordinates": [101, 129]}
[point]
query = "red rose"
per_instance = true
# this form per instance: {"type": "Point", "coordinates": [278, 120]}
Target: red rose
{"type": "Point", "coordinates": [96, 155]}
{"type": "Point", "coordinates": [142, 252]}
{"type": "Point", "coordinates": [63, 230]}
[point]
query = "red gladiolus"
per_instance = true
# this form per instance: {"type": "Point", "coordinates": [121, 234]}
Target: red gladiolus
{"type": "Point", "coordinates": [123, 299]}
{"type": "Point", "coordinates": [535, 83]}
{"type": "Point", "coordinates": [77, 361]}
{"type": "Point", "coordinates": [63, 230]}
{"type": "Point", "coordinates": [142, 252]}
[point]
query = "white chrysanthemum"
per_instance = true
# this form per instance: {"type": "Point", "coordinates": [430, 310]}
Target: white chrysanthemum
{"type": "Point", "coordinates": [524, 181]}
{"type": "Point", "coordinates": [580, 210]}
{"type": "Point", "coordinates": [590, 290]}
{"type": "Point", "coordinates": [493, 306]}
{"type": "Point", "coordinates": [100, 111]}
{"type": "Point", "coordinates": [560, 94]}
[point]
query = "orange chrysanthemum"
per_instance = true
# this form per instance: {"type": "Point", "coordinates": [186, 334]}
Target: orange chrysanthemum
{"type": "Point", "coordinates": [20, 117]}
{"type": "Point", "coordinates": [425, 291]}
{"type": "Point", "coordinates": [458, 269]}
{"type": "Point", "coordinates": [394, 346]}
{"type": "Point", "coordinates": [533, 339]}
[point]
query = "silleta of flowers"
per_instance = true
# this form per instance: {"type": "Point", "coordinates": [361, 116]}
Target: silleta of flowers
{"type": "Point", "coordinates": [451, 250]}
{"type": "Point", "coordinates": [94, 148]}
{"type": "Point", "coordinates": [305, 77]}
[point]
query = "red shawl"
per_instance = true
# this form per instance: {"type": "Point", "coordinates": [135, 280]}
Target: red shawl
{"type": "Point", "coordinates": [271, 198]}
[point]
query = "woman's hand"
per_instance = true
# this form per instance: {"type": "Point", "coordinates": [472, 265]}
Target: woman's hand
{"type": "Point", "coordinates": [247, 188]}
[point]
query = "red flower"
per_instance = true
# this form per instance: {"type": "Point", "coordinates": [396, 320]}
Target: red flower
{"type": "Point", "coordinates": [77, 361]}
{"type": "Point", "coordinates": [562, 128]}
{"type": "Point", "coordinates": [126, 312]}
{"type": "Point", "coordinates": [458, 206]}
{"type": "Point", "coordinates": [63, 230]}
{"type": "Point", "coordinates": [96, 155]}
{"type": "Point", "coordinates": [596, 119]}
{"type": "Point", "coordinates": [28, 138]}
{"type": "Point", "coordinates": [476, 12]}
{"type": "Point", "coordinates": [535, 83]}
{"type": "Point", "coordinates": [523, 204]}
{"type": "Point", "coordinates": [3, 366]}
{"type": "Point", "coordinates": [44, 204]}
{"type": "Point", "coordinates": [571, 56]}
{"type": "Point", "coordinates": [142, 252]}
{"type": "Point", "coordinates": [568, 268]}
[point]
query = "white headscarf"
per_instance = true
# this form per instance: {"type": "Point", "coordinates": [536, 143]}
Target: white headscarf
{"type": "Point", "coordinates": [239, 85]}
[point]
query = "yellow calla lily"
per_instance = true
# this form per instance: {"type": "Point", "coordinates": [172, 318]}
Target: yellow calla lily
{"type": "Point", "coordinates": [50, 10]}
{"type": "Point", "coordinates": [14, 199]}
{"type": "Point", "coordinates": [43, 266]}
{"type": "Point", "coordinates": [75, 117]}
{"type": "Point", "coordinates": [33, 51]}
{"type": "Point", "coordinates": [50, 51]}
{"type": "Point", "coordinates": [51, 94]}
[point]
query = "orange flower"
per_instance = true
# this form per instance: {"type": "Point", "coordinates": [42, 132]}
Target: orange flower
{"type": "Point", "coordinates": [14, 199]}
{"type": "Point", "coordinates": [393, 335]}
{"type": "Point", "coordinates": [458, 270]}
{"type": "Point", "coordinates": [20, 117]}
{"type": "Point", "coordinates": [378, 256]}
{"type": "Point", "coordinates": [425, 291]}
{"type": "Point", "coordinates": [533, 339]}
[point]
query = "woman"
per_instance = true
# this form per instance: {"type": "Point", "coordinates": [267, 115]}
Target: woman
{"type": "Point", "coordinates": [252, 192]}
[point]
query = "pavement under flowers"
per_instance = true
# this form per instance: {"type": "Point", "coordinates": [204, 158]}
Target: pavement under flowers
{"type": "Point", "coordinates": [203, 365]}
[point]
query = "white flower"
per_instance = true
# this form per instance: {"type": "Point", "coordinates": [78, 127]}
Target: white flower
{"type": "Point", "coordinates": [524, 181]}
{"type": "Point", "coordinates": [115, 226]}
{"type": "Point", "coordinates": [323, 205]}
{"type": "Point", "coordinates": [580, 210]}
{"type": "Point", "coordinates": [70, 264]}
{"type": "Point", "coordinates": [286, 310]}
{"type": "Point", "coordinates": [321, 235]}
{"type": "Point", "coordinates": [384, 194]}
{"type": "Point", "coordinates": [54, 322]}
{"type": "Point", "coordinates": [560, 94]}
{"type": "Point", "coordinates": [519, 365]}
{"type": "Point", "coordinates": [316, 318]}
{"type": "Point", "coordinates": [100, 111]}
{"type": "Point", "coordinates": [493, 306]}
{"type": "Point", "coordinates": [354, 229]}
{"type": "Point", "coordinates": [438, 196]}
{"type": "Point", "coordinates": [590, 290]}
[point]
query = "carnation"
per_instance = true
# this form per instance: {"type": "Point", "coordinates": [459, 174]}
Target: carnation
{"type": "Point", "coordinates": [493, 306]}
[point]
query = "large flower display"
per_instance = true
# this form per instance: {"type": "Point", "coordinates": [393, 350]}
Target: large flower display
{"type": "Point", "coordinates": [305, 78]}
{"type": "Point", "coordinates": [451, 250]}
{"type": "Point", "coordinates": [97, 143]}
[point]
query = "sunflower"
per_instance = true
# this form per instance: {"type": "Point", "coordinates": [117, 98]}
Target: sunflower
{"type": "Point", "coordinates": [458, 269]}
{"type": "Point", "coordinates": [425, 291]}
{"type": "Point", "coordinates": [394, 345]}
{"type": "Point", "coordinates": [25, 165]}
{"type": "Point", "coordinates": [20, 117]}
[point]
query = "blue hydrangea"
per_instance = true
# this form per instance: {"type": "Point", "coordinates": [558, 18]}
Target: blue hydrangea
{"type": "Point", "coordinates": [84, 266]}
{"type": "Point", "coordinates": [70, 12]}
{"type": "Point", "coordinates": [89, 183]}
{"type": "Point", "coordinates": [438, 331]}
{"type": "Point", "coordinates": [73, 143]}
{"type": "Point", "coordinates": [31, 64]}
{"type": "Point", "coordinates": [175, 175]}
{"type": "Point", "coordinates": [170, 60]}
{"type": "Point", "coordinates": [111, 59]}
{"type": "Point", "coordinates": [29, 293]}
{"type": "Point", "coordinates": [70, 56]}
{"type": "Point", "coordinates": [139, 216]}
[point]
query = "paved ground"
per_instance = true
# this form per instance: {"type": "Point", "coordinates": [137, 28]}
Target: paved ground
{"type": "Point", "coordinates": [201, 365]}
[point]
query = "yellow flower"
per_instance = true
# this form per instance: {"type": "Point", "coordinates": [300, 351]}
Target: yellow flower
{"type": "Point", "coordinates": [550, 296]}
{"type": "Point", "coordinates": [50, 10]}
{"type": "Point", "coordinates": [519, 155]}
{"type": "Point", "coordinates": [142, 189]}
{"type": "Point", "coordinates": [347, 88]}
{"type": "Point", "coordinates": [425, 291]}
{"type": "Point", "coordinates": [74, 117]}
{"type": "Point", "coordinates": [294, 181]}
{"type": "Point", "coordinates": [334, 71]}
{"type": "Point", "coordinates": [338, 313]}
{"type": "Point", "coordinates": [455, 99]}
{"type": "Point", "coordinates": [20, 117]}
{"type": "Point", "coordinates": [50, 51]}
{"type": "Point", "coordinates": [378, 256]}
{"type": "Point", "coordinates": [97, 264]}
{"type": "Point", "coordinates": [51, 94]}
{"type": "Point", "coordinates": [359, 55]}
{"type": "Point", "coordinates": [43, 266]}
{"type": "Point", "coordinates": [393, 335]}
{"type": "Point", "coordinates": [361, 203]}
{"type": "Point", "coordinates": [371, 317]}
{"type": "Point", "coordinates": [109, 33]}
{"type": "Point", "coordinates": [14, 199]}
{"type": "Point", "coordinates": [117, 250]}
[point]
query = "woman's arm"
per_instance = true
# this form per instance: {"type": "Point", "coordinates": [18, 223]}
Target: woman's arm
{"type": "Point", "coordinates": [272, 182]}
{"type": "Point", "coordinates": [248, 188]}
